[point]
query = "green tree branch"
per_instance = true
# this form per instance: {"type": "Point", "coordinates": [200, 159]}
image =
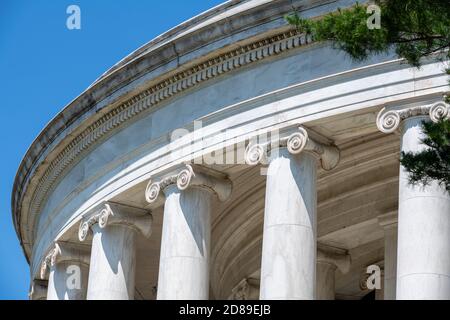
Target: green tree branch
{"type": "Point", "coordinates": [414, 29]}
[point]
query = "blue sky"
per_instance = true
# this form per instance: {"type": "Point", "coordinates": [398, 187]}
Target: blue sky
{"type": "Point", "coordinates": [43, 66]}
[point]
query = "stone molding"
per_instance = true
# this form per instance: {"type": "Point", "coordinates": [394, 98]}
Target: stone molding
{"type": "Point", "coordinates": [296, 143]}
{"type": "Point", "coordinates": [337, 257]}
{"type": "Point", "coordinates": [165, 89]}
{"type": "Point", "coordinates": [117, 214]}
{"type": "Point", "coordinates": [247, 289]}
{"type": "Point", "coordinates": [38, 290]}
{"type": "Point", "coordinates": [190, 176]}
{"type": "Point", "coordinates": [64, 252]}
{"type": "Point", "coordinates": [388, 220]}
{"type": "Point", "coordinates": [389, 121]}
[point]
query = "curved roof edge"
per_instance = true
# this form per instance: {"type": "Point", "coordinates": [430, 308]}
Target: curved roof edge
{"type": "Point", "coordinates": [215, 24]}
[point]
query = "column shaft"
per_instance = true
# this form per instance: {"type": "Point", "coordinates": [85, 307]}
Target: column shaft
{"type": "Point", "coordinates": [423, 269]}
{"type": "Point", "coordinates": [325, 281]}
{"type": "Point", "coordinates": [112, 268]}
{"type": "Point", "coordinates": [67, 281]}
{"type": "Point", "coordinates": [185, 245]}
{"type": "Point", "coordinates": [390, 262]}
{"type": "Point", "coordinates": [288, 268]}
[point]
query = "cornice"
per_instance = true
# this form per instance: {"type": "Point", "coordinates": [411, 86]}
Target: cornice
{"type": "Point", "coordinates": [228, 25]}
{"type": "Point", "coordinates": [153, 96]}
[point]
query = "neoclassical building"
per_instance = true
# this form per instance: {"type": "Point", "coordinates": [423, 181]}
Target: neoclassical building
{"type": "Point", "coordinates": [234, 158]}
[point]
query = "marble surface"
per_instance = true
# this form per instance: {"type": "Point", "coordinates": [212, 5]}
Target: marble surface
{"type": "Point", "coordinates": [312, 85]}
{"type": "Point", "coordinates": [325, 287]}
{"type": "Point", "coordinates": [185, 245]}
{"type": "Point", "coordinates": [133, 154]}
{"type": "Point", "coordinates": [170, 53]}
{"type": "Point", "coordinates": [329, 260]}
{"type": "Point", "coordinates": [423, 265]}
{"type": "Point", "coordinates": [113, 262]}
{"type": "Point", "coordinates": [288, 269]}
{"type": "Point", "coordinates": [389, 224]}
{"type": "Point", "coordinates": [59, 277]}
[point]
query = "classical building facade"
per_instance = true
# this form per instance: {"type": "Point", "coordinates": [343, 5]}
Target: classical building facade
{"type": "Point", "coordinates": [234, 158]}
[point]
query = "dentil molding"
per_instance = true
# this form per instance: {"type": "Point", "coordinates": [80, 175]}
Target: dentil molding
{"type": "Point", "coordinates": [147, 99]}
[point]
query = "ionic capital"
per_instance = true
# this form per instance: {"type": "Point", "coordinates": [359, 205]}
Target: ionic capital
{"type": "Point", "coordinates": [64, 252]}
{"type": "Point", "coordinates": [187, 177]}
{"type": "Point", "coordinates": [389, 121]}
{"type": "Point", "coordinates": [117, 214]}
{"type": "Point", "coordinates": [334, 256]}
{"type": "Point", "coordinates": [296, 143]}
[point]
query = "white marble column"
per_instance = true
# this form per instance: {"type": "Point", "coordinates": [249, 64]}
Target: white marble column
{"type": "Point", "coordinates": [113, 253]}
{"type": "Point", "coordinates": [185, 243]}
{"type": "Point", "coordinates": [389, 224]}
{"type": "Point", "coordinates": [328, 261]}
{"type": "Point", "coordinates": [67, 264]}
{"type": "Point", "coordinates": [288, 269]}
{"type": "Point", "coordinates": [423, 259]}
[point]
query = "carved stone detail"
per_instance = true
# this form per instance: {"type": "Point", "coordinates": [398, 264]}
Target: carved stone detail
{"type": "Point", "coordinates": [439, 111]}
{"type": "Point", "coordinates": [255, 154]}
{"type": "Point", "coordinates": [334, 256]}
{"type": "Point", "coordinates": [153, 190]}
{"type": "Point", "coordinates": [161, 91]}
{"type": "Point", "coordinates": [296, 143]}
{"type": "Point", "coordinates": [47, 263]}
{"type": "Point", "coordinates": [62, 252]}
{"type": "Point", "coordinates": [247, 289]}
{"type": "Point", "coordinates": [190, 176]}
{"type": "Point", "coordinates": [389, 121]}
{"type": "Point", "coordinates": [117, 214]}
{"type": "Point", "coordinates": [85, 226]}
